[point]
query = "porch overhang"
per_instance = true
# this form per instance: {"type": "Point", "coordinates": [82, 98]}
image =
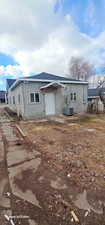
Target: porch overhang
{"type": "Point", "coordinates": [54, 85]}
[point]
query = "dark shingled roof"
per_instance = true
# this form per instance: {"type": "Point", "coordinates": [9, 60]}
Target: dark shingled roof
{"type": "Point", "coordinates": [48, 76]}
{"type": "Point", "coordinates": [43, 76]}
{"type": "Point", "coordinates": [10, 82]}
{"type": "Point", "coordinates": [94, 91]}
{"type": "Point", "coordinates": [2, 94]}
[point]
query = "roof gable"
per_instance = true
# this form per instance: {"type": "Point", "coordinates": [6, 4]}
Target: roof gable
{"type": "Point", "coordinates": [10, 82]}
{"type": "Point", "coordinates": [48, 76]}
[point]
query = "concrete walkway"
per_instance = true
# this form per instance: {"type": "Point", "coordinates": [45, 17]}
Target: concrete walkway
{"type": "Point", "coordinates": [19, 161]}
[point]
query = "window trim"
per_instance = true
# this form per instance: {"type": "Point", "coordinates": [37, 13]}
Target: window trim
{"type": "Point", "coordinates": [34, 102]}
{"type": "Point", "coordinates": [75, 96]}
{"type": "Point", "coordinates": [71, 96]}
{"type": "Point", "coordinates": [30, 98]}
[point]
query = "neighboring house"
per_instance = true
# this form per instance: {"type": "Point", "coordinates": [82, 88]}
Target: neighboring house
{"type": "Point", "coordinates": [8, 85]}
{"type": "Point", "coordinates": [46, 94]}
{"type": "Point", "coordinates": [94, 102]}
{"type": "Point", "coordinates": [2, 96]}
{"type": "Point", "coordinates": [93, 95]}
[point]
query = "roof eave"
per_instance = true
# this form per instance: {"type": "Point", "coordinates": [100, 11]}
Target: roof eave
{"type": "Point", "coordinates": [43, 80]}
{"type": "Point", "coordinates": [93, 96]}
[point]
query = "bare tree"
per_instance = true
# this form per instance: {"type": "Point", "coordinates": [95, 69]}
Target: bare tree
{"type": "Point", "coordinates": [80, 69]}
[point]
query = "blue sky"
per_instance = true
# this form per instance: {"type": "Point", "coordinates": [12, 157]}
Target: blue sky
{"type": "Point", "coordinates": [80, 9]}
{"type": "Point", "coordinates": [49, 35]}
{"type": "Point", "coordinates": [6, 60]}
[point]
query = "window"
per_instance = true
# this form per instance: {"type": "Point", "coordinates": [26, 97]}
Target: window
{"type": "Point", "coordinates": [71, 96]}
{"type": "Point", "coordinates": [75, 96]}
{"type": "Point", "coordinates": [19, 98]}
{"type": "Point", "coordinates": [13, 99]}
{"type": "Point", "coordinates": [34, 97]}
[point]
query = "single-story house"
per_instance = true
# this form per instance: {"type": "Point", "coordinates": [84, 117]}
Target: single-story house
{"type": "Point", "coordinates": [94, 102]}
{"type": "Point", "coordinates": [46, 94]}
{"type": "Point", "coordinates": [2, 96]}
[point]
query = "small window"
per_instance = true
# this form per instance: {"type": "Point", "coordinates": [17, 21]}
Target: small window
{"type": "Point", "coordinates": [19, 98]}
{"type": "Point", "coordinates": [13, 99]}
{"type": "Point", "coordinates": [71, 96]}
{"type": "Point", "coordinates": [36, 97]}
{"type": "Point", "coordinates": [32, 97]}
{"type": "Point", "coordinates": [75, 96]}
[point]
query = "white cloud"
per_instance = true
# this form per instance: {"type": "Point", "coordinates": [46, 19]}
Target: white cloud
{"type": "Point", "coordinates": [11, 70]}
{"type": "Point", "coordinates": [90, 13]}
{"type": "Point", "coordinates": [40, 40]}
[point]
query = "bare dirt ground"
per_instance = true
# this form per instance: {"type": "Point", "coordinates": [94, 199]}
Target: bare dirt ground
{"type": "Point", "coordinates": [72, 174]}
{"type": "Point", "coordinates": [76, 148]}
{"type": "Point", "coordinates": [56, 174]}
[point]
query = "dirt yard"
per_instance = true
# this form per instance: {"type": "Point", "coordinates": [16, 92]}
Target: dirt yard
{"type": "Point", "coordinates": [75, 149]}
{"type": "Point", "coordinates": [73, 156]}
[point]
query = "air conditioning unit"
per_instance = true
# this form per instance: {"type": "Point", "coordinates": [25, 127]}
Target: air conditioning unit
{"type": "Point", "coordinates": [68, 111]}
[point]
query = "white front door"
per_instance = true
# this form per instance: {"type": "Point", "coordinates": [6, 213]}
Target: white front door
{"type": "Point", "coordinates": [50, 103]}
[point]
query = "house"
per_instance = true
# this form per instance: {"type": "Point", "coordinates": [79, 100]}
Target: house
{"type": "Point", "coordinates": [94, 102]}
{"type": "Point", "coordinates": [2, 96]}
{"type": "Point", "coordinates": [8, 85]}
{"type": "Point", "coordinates": [46, 94]}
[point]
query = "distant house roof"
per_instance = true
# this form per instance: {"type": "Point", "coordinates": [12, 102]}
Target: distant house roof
{"type": "Point", "coordinates": [94, 92]}
{"type": "Point", "coordinates": [2, 94]}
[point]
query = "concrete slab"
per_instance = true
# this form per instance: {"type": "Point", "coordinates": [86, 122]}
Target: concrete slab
{"type": "Point", "coordinates": [82, 203]}
{"type": "Point", "coordinates": [8, 132]}
{"type": "Point", "coordinates": [4, 202]}
{"type": "Point", "coordinates": [16, 173]}
{"type": "Point", "coordinates": [16, 155]}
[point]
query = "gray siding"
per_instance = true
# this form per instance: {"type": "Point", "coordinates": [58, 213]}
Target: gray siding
{"type": "Point", "coordinates": [80, 104]}
{"type": "Point", "coordinates": [30, 110]}
{"type": "Point", "coordinates": [34, 109]}
{"type": "Point", "coordinates": [17, 107]}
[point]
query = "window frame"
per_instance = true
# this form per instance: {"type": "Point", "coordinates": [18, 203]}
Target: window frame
{"type": "Point", "coordinates": [71, 96]}
{"type": "Point", "coordinates": [75, 96]}
{"type": "Point", "coordinates": [34, 102]}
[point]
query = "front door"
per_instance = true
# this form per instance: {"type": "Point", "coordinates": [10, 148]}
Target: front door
{"type": "Point", "coordinates": [50, 103]}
